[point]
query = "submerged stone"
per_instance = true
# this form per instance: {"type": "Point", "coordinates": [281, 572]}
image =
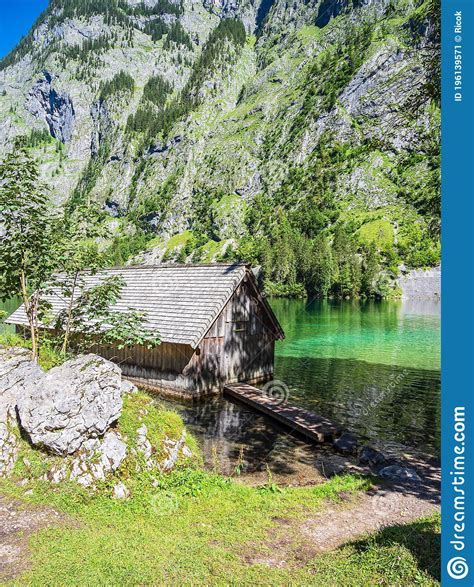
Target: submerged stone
{"type": "Point", "coordinates": [398, 473]}
{"type": "Point", "coordinates": [346, 443]}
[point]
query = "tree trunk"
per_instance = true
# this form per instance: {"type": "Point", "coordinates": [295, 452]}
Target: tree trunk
{"type": "Point", "coordinates": [30, 315]}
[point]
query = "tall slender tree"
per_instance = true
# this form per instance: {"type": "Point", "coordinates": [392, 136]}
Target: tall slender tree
{"type": "Point", "coordinates": [25, 233]}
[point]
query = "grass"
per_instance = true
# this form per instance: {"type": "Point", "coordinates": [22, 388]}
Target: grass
{"type": "Point", "coordinates": [209, 251]}
{"type": "Point", "coordinates": [310, 32]}
{"type": "Point", "coordinates": [193, 527]}
{"type": "Point", "coordinates": [379, 232]}
{"type": "Point", "coordinates": [177, 240]}
{"type": "Point", "coordinates": [138, 410]}
{"type": "Point", "coordinates": [49, 356]}
{"type": "Point", "coordinates": [196, 528]}
{"type": "Point", "coordinates": [398, 555]}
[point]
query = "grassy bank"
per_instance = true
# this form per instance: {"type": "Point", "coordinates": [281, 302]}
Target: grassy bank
{"type": "Point", "coordinates": [193, 527]}
{"type": "Point", "coordinates": [199, 528]}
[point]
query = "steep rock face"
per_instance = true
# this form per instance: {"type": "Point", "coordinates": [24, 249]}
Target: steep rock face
{"type": "Point", "coordinates": [421, 284]}
{"type": "Point", "coordinates": [328, 9]}
{"type": "Point", "coordinates": [246, 10]}
{"type": "Point", "coordinates": [55, 108]}
{"type": "Point", "coordinates": [253, 116]}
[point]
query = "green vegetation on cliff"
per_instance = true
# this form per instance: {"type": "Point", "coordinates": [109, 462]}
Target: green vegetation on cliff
{"type": "Point", "coordinates": [311, 148]}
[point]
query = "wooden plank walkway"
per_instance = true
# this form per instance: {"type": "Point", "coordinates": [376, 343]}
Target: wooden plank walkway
{"type": "Point", "coordinates": [311, 425]}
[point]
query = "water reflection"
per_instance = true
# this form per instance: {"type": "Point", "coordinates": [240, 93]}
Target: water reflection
{"type": "Point", "coordinates": [230, 434]}
{"type": "Point", "coordinates": [392, 333]}
{"type": "Point", "coordinates": [379, 402]}
{"type": "Point", "coordinates": [372, 367]}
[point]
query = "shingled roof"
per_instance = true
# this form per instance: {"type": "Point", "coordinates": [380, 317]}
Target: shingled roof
{"type": "Point", "coordinates": [181, 302]}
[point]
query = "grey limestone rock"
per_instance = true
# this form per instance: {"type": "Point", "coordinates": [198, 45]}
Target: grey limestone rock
{"type": "Point", "coordinates": [16, 368]}
{"type": "Point", "coordinates": [71, 403]}
{"type": "Point", "coordinates": [121, 491]}
{"type": "Point", "coordinates": [128, 387]}
{"type": "Point", "coordinates": [97, 458]}
{"type": "Point", "coordinates": [54, 107]}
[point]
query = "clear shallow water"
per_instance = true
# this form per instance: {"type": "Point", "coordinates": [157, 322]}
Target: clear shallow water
{"type": "Point", "coordinates": [373, 367]}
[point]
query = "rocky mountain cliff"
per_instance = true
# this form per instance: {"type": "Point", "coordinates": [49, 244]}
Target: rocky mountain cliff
{"type": "Point", "coordinates": [301, 135]}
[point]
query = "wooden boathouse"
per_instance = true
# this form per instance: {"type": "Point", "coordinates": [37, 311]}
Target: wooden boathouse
{"type": "Point", "coordinates": [215, 325]}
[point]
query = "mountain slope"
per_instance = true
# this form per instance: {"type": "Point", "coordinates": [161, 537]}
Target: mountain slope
{"type": "Point", "coordinates": [302, 136]}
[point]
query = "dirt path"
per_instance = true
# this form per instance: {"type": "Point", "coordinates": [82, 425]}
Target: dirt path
{"type": "Point", "coordinates": [17, 522]}
{"type": "Point", "coordinates": [373, 511]}
{"type": "Point", "coordinates": [386, 504]}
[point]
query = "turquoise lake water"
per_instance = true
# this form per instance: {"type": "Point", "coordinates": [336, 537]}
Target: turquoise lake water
{"type": "Point", "coordinates": [374, 367]}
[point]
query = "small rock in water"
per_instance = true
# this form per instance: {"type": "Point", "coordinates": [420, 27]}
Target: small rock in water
{"type": "Point", "coordinates": [120, 491]}
{"type": "Point", "coordinates": [398, 473]}
{"type": "Point", "coordinates": [346, 443]}
{"type": "Point", "coordinates": [371, 456]}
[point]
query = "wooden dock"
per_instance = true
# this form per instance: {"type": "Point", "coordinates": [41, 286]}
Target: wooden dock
{"type": "Point", "coordinates": [310, 425]}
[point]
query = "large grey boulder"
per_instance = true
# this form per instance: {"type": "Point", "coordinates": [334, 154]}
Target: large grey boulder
{"type": "Point", "coordinates": [93, 462]}
{"type": "Point", "coordinates": [71, 403]}
{"type": "Point", "coordinates": [71, 411]}
{"type": "Point", "coordinates": [16, 368]}
{"type": "Point", "coordinates": [97, 458]}
{"type": "Point", "coordinates": [8, 449]}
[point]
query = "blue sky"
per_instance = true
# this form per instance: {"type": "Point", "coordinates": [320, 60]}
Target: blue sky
{"type": "Point", "coordinates": [16, 18]}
